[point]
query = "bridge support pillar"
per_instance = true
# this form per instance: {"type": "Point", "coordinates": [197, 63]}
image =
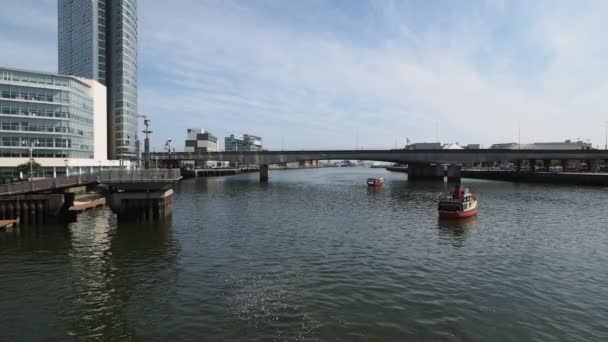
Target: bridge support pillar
{"type": "Point", "coordinates": [532, 165]}
{"type": "Point", "coordinates": [454, 174]}
{"type": "Point", "coordinates": [546, 164]}
{"type": "Point", "coordinates": [592, 165]}
{"type": "Point", "coordinates": [34, 209]}
{"type": "Point", "coordinates": [564, 164]}
{"type": "Point", "coordinates": [518, 165]}
{"type": "Point", "coordinates": [142, 206]}
{"type": "Point", "coordinates": [264, 173]}
{"type": "Point", "coordinates": [425, 172]}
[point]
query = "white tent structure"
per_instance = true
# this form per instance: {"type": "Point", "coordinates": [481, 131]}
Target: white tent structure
{"type": "Point", "coordinates": [452, 147]}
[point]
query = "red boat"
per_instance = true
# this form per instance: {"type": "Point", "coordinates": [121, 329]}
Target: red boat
{"type": "Point", "coordinates": [375, 182]}
{"type": "Point", "coordinates": [458, 203]}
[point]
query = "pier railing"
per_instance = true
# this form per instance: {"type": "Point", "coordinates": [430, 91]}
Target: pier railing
{"type": "Point", "coordinates": [110, 176]}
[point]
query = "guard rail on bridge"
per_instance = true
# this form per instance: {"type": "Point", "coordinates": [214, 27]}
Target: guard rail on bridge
{"type": "Point", "coordinates": [112, 177]}
{"type": "Point", "coordinates": [400, 156]}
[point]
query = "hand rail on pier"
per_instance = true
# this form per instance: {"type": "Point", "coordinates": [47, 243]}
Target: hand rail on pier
{"type": "Point", "coordinates": [108, 176]}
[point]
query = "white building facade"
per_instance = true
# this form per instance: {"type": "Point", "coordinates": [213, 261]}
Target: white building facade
{"type": "Point", "coordinates": [60, 121]}
{"type": "Point", "coordinates": [559, 145]}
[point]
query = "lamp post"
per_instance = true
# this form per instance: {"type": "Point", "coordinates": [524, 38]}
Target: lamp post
{"type": "Point", "coordinates": [168, 148]}
{"type": "Point", "coordinates": [606, 142]}
{"type": "Point", "coordinates": [31, 148]}
{"type": "Point", "coordinates": [67, 167]}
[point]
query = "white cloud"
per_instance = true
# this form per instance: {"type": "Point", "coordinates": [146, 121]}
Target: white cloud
{"type": "Point", "coordinates": [315, 75]}
{"type": "Point", "coordinates": [311, 84]}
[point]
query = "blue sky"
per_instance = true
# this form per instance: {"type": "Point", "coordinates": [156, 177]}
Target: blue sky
{"type": "Point", "coordinates": [319, 74]}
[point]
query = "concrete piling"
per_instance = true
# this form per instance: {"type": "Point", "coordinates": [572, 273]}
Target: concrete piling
{"type": "Point", "coordinates": [264, 173]}
{"type": "Point", "coordinates": [142, 206]}
{"type": "Point", "coordinates": [454, 174]}
{"type": "Point", "coordinates": [425, 172]}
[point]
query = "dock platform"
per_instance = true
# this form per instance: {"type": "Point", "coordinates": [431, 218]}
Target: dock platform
{"type": "Point", "coordinates": [4, 224]}
{"type": "Point", "coordinates": [82, 206]}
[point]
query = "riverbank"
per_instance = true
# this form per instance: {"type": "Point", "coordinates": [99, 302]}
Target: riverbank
{"type": "Point", "coordinates": [574, 178]}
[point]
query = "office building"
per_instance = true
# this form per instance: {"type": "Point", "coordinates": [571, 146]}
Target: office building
{"type": "Point", "coordinates": [505, 146]}
{"type": "Point", "coordinates": [559, 145]}
{"type": "Point", "coordinates": [98, 40]}
{"type": "Point", "coordinates": [246, 143]}
{"type": "Point", "coordinates": [424, 146]}
{"type": "Point", "coordinates": [200, 141]}
{"type": "Point", "coordinates": [61, 118]}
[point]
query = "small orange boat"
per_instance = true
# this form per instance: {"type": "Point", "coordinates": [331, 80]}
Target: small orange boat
{"type": "Point", "coordinates": [375, 182]}
{"type": "Point", "coordinates": [460, 202]}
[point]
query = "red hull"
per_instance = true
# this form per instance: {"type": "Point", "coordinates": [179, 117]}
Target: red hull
{"type": "Point", "coordinates": [456, 215]}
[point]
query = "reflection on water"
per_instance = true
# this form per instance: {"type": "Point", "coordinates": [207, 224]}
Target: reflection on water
{"type": "Point", "coordinates": [316, 255]}
{"type": "Point", "coordinates": [458, 227]}
{"type": "Point", "coordinates": [89, 264]}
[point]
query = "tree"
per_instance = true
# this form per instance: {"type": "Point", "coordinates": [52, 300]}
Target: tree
{"type": "Point", "coordinates": [25, 168]}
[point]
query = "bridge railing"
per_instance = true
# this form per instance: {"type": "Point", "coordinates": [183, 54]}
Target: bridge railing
{"type": "Point", "coordinates": [111, 176]}
{"type": "Point", "coordinates": [141, 175]}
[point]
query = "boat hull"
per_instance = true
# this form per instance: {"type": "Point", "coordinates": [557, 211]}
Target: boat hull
{"type": "Point", "coordinates": [457, 214]}
{"type": "Point", "coordinates": [375, 183]}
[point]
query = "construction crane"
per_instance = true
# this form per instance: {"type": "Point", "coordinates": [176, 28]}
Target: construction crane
{"type": "Point", "coordinates": [147, 132]}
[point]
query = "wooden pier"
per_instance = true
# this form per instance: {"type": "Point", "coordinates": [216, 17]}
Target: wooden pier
{"type": "Point", "coordinates": [7, 224]}
{"type": "Point", "coordinates": [86, 205]}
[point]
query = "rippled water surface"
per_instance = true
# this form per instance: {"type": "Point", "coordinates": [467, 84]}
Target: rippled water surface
{"type": "Point", "coordinates": [314, 255]}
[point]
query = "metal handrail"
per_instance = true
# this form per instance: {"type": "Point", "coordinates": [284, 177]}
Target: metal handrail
{"type": "Point", "coordinates": [107, 176]}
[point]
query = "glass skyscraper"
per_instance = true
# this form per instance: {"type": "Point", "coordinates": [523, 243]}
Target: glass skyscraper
{"type": "Point", "coordinates": [98, 40]}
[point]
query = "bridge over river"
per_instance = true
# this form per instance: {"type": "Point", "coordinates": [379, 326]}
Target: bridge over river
{"type": "Point", "coordinates": [422, 163]}
{"type": "Point", "coordinates": [132, 194]}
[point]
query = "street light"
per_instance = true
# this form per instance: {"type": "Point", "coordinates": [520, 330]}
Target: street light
{"type": "Point", "coordinates": [606, 143]}
{"type": "Point", "coordinates": [168, 148]}
{"type": "Point", "coordinates": [31, 148]}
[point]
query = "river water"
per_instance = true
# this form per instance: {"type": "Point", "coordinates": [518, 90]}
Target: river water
{"type": "Point", "coordinates": [316, 256]}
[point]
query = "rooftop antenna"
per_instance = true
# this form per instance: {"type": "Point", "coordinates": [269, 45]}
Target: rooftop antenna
{"type": "Point", "coordinates": [518, 135]}
{"type": "Point", "coordinates": [437, 131]}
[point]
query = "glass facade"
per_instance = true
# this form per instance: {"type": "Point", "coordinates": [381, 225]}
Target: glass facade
{"type": "Point", "coordinates": [98, 40]}
{"type": "Point", "coordinates": [53, 112]}
{"type": "Point", "coordinates": [245, 143]}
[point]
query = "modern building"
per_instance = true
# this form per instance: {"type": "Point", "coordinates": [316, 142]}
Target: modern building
{"type": "Point", "coordinates": [200, 141]}
{"type": "Point", "coordinates": [62, 119]}
{"type": "Point", "coordinates": [560, 145]}
{"type": "Point", "coordinates": [505, 146]}
{"type": "Point", "coordinates": [98, 40]}
{"type": "Point", "coordinates": [246, 142]}
{"type": "Point", "coordinates": [424, 146]}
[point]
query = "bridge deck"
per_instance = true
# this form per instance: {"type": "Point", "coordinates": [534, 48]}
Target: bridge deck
{"type": "Point", "coordinates": [111, 177]}
{"type": "Point", "coordinates": [404, 156]}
